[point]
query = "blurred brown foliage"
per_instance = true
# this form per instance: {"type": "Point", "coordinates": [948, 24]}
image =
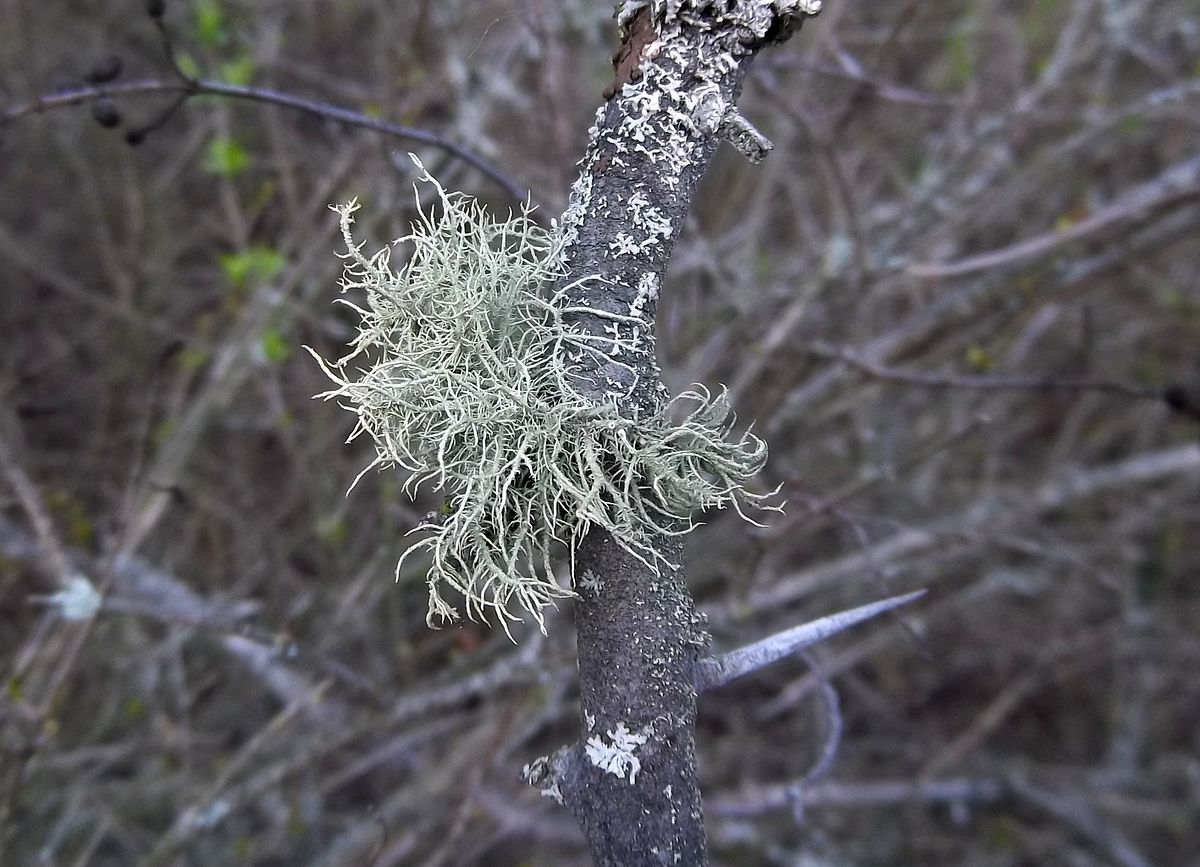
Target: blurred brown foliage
{"type": "Point", "coordinates": [976, 214]}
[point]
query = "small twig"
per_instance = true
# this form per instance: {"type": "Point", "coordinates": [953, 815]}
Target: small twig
{"type": "Point", "coordinates": [833, 738]}
{"type": "Point", "coordinates": [169, 48]}
{"type": "Point", "coordinates": [137, 135]}
{"type": "Point", "coordinates": [207, 807]}
{"type": "Point", "coordinates": [991, 718]}
{"type": "Point", "coordinates": [970, 522]}
{"type": "Point", "coordinates": [716, 671]}
{"type": "Point", "coordinates": [1178, 185]}
{"type": "Point", "coordinates": [833, 503]}
{"type": "Point", "coordinates": [981, 383]}
{"type": "Point", "coordinates": [1078, 816]}
{"type": "Point", "coordinates": [50, 546]}
{"type": "Point", "coordinates": [857, 795]}
{"type": "Point", "coordinates": [155, 594]}
{"type": "Point", "coordinates": [59, 563]}
{"type": "Point", "coordinates": [849, 69]}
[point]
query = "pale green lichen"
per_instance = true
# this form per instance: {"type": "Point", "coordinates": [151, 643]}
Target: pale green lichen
{"type": "Point", "coordinates": [461, 375]}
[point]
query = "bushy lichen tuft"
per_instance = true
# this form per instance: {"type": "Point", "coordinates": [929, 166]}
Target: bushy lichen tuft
{"type": "Point", "coordinates": [459, 373]}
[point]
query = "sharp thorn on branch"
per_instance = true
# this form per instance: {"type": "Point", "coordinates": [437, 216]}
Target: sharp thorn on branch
{"type": "Point", "coordinates": [718, 670]}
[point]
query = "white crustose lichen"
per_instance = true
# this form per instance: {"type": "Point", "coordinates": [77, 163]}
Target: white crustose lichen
{"type": "Point", "coordinates": [618, 755]}
{"type": "Point", "coordinates": [461, 374]}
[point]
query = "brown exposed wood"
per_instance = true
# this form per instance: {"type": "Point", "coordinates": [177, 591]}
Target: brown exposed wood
{"type": "Point", "coordinates": [628, 57]}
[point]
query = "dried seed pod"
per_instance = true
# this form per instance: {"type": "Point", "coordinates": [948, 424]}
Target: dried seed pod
{"type": "Point", "coordinates": [104, 70]}
{"type": "Point", "coordinates": [106, 113]}
{"type": "Point", "coordinates": [1183, 400]}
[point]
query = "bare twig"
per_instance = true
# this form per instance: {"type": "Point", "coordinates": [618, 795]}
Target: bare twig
{"type": "Point", "coordinates": [208, 806]}
{"type": "Point", "coordinates": [856, 795]}
{"type": "Point", "coordinates": [822, 349]}
{"type": "Point", "coordinates": [1178, 185]}
{"type": "Point", "coordinates": [1077, 815]}
{"type": "Point", "coordinates": [54, 553]}
{"type": "Point", "coordinates": [834, 728]}
{"type": "Point", "coordinates": [849, 69]}
{"type": "Point", "coordinates": [1175, 462]}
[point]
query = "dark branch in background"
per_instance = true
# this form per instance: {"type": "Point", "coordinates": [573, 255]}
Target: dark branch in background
{"type": "Point", "coordinates": [957, 793]}
{"type": "Point", "coordinates": [1179, 398]}
{"type": "Point", "coordinates": [100, 92]}
{"type": "Point", "coordinates": [850, 69]}
{"type": "Point", "coordinates": [982, 383]}
{"type": "Point", "coordinates": [1178, 185]}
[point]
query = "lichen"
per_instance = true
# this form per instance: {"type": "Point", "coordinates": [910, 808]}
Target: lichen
{"type": "Point", "coordinates": [462, 374]}
{"type": "Point", "coordinates": [619, 755]}
{"type": "Point", "coordinates": [78, 600]}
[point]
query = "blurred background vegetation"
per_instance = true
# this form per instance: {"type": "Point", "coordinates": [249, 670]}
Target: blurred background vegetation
{"type": "Point", "coordinates": [955, 298]}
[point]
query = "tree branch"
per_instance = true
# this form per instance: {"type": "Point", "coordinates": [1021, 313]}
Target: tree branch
{"type": "Point", "coordinates": [631, 780]}
{"type": "Point", "coordinates": [821, 349]}
{"type": "Point", "coordinates": [1178, 185]}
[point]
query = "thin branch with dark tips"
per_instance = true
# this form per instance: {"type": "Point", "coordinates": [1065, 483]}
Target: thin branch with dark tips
{"type": "Point", "coordinates": [203, 86]}
{"type": "Point", "coordinates": [137, 135]}
{"type": "Point", "coordinates": [716, 671]}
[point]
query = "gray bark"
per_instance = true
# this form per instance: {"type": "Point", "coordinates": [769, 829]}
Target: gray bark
{"type": "Point", "coordinates": [631, 781]}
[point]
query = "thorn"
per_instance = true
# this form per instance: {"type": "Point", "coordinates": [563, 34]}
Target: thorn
{"type": "Point", "coordinates": [719, 670]}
